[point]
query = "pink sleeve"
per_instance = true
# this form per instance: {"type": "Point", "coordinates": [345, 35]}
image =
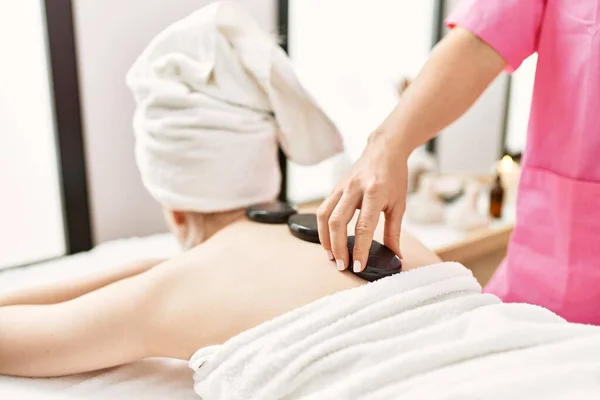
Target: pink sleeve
{"type": "Point", "coordinates": [510, 26]}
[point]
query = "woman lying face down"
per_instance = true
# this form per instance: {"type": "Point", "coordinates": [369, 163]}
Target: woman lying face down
{"type": "Point", "coordinates": [206, 150]}
{"type": "Point", "coordinates": [237, 275]}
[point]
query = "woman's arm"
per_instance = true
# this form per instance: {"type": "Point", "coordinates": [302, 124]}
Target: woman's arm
{"type": "Point", "coordinates": [100, 329]}
{"type": "Point", "coordinates": [58, 292]}
{"type": "Point", "coordinates": [460, 68]}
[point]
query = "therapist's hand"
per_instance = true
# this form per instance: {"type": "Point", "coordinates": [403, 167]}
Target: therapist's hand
{"type": "Point", "coordinates": [376, 183]}
{"type": "Point", "coordinates": [458, 71]}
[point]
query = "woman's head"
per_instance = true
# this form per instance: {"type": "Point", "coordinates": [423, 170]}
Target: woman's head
{"type": "Point", "coordinates": [216, 97]}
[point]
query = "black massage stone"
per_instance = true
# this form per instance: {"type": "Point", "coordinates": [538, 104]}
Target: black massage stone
{"type": "Point", "coordinates": [304, 226]}
{"type": "Point", "coordinates": [270, 213]}
{"type": "Point", "coordinates": [382, 262]}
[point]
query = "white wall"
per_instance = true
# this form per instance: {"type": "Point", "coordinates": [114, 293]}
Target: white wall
{"type": "Point", "coordinates": [474, 142]}
{"type": "Point", "coordinates": [31, 226]}
{"type": "Point", "coordinates": [110, 35]}
{"type": "Point", "coordinates": [353, 70]}
{"type": "Point", "coordinates": [521, 94]}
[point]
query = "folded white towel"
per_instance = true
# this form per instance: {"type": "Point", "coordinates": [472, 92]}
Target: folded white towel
{"type": "Point", "coordinates": [423, 334]}
{"type": "Point", "coordinates": [215, 96]}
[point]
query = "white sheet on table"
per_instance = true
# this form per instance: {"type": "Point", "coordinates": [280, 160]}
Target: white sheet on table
{"type": "Point", "coordinates": [148, 380]}
{"type": "Point", "coordinates": [107, 255]}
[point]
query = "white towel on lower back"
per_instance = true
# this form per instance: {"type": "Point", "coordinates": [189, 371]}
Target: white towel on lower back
{"type": "Point", "coordinates": [423, 334]}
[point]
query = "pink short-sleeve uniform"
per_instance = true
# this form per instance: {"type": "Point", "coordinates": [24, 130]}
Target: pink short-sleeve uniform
{"type": "Point", "coordinates": [553, 257]}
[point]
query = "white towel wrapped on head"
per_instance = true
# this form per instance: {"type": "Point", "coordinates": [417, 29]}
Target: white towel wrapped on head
{"type": "Point", "coordinates": [215, 96]}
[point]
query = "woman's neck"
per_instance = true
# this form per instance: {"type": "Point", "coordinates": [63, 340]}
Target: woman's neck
{"type": "Point", "coordinates": [205, 225]}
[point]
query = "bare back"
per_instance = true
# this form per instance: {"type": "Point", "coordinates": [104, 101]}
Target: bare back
{"type": "Point", "coordinates": [245, 275]}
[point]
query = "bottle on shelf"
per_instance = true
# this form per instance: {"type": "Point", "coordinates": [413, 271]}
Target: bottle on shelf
{"type": "Point", "coordinates": [497, 198]}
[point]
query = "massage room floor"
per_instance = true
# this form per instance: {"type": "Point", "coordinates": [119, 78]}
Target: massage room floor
{"type": "Point", "coordinates": [148, 379]}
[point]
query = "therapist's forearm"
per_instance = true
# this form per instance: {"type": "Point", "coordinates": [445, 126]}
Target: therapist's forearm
{"type": "Point", "coordinates": [460, 68]}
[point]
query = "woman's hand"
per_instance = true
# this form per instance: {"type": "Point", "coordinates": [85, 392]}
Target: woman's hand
{"type": "Point", "coordinates": [376, 183]}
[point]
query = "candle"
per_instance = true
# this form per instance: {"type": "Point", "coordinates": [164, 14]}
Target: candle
{"type": "Point", "coordinates": [509, 172]}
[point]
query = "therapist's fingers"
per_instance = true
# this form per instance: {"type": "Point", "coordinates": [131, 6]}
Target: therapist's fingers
{"type": "Point", "coordinates": [338, 227]}
{"type": "Point", "coordinates": [392, 229]}
{"type": "Point", "coordinates": [323, 215]}
{"type": "Point", "coordinates": [364, 230]}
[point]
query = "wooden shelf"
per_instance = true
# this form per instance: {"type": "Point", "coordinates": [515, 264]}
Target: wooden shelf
{"type": "Point", "coordinates": [476, 245]}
